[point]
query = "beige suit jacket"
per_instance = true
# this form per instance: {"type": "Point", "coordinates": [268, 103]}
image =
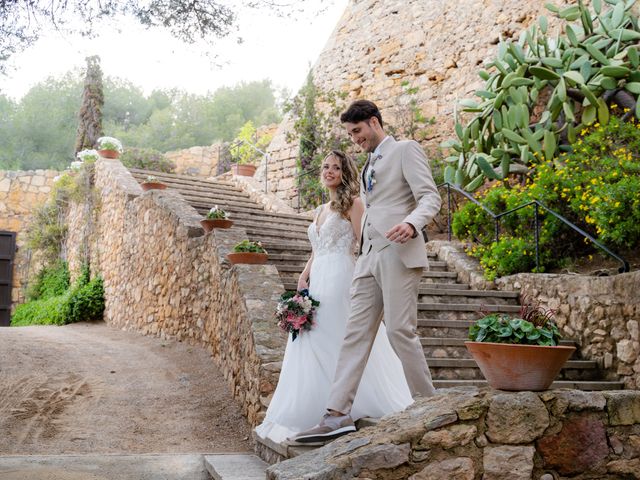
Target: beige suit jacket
{"type": "Point", "coordinates": [404, 191]}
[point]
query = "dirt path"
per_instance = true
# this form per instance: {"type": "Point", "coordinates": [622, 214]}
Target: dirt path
{"type": "Point", "coordinates": [88, 388]}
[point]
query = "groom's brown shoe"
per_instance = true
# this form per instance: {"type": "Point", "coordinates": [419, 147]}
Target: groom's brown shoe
{"type": "Point", "coordinates": [330, 427]}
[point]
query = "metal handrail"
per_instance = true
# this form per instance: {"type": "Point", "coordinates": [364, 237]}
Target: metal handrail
{"type": "Point", "coordinates": [537, 205]}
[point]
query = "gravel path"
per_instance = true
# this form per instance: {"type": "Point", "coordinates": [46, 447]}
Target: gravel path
{"type": "Point", "coordinates": [89, 388]}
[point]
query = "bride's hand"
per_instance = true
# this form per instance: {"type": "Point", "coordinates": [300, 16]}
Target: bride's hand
{"type": "Point", "coordinates": [303, 283]}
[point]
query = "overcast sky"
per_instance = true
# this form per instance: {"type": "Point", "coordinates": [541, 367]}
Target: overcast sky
{"type": "Point", "coordinates": [277, 48]}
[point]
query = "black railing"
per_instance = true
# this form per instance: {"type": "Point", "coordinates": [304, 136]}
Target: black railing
{"type": "Point", "coordinates": [537, 206]}
{"type": "Point", "coordinates": [298, 182]}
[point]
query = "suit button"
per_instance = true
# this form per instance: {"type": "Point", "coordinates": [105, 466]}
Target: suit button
{"type": "Point", "coordinates": [368, 205]}
{"type": "Point", "coordinates": [368, 224]}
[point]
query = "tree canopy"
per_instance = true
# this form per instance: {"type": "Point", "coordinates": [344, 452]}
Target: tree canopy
{"type": "Point", "coordinates": [39, 130]}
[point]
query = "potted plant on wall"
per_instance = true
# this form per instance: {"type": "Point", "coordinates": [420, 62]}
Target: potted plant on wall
{"type": "Point", "coordinates": [152, 183]}
{"type": "Point", "coordinates": [109, 147]}
{"type": "Point", "coordinates": [518, 353]}
{"type": "Point", "coordinates": [216, 218]}
{"type": "Point", "coordinates": [248, 252]}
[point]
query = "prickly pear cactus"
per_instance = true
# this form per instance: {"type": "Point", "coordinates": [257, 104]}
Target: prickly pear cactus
{"type": "Point", "coordinates": [541, 91]}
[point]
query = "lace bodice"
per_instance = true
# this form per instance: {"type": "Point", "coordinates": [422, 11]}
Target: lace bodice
{"type": "Point", "coordinates": [335, 235]}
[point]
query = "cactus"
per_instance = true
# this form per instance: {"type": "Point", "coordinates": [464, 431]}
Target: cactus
{"type": "Point", "coordinates": [540, 92]}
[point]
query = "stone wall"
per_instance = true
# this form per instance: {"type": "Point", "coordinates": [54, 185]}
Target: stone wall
{"type": "Point", "coordinates": [601, 313]}
{"type": "Point", "coordinates": [467, 434]}
{"type": "Point", "coordinates": [197, 161]}
{"type": "Point", "coordinates": [164, 277]}
{"type": "Point", "coordinates": [432, 45]}
{"type": "Point", "coordinates": [20, 192]}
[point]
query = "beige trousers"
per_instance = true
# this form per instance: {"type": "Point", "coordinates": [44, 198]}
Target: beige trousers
{"type": "Point", "coordinates": [381, 284]}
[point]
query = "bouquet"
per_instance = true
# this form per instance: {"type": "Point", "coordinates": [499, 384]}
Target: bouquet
{"type": "Point", "coordinates": [295, 312]}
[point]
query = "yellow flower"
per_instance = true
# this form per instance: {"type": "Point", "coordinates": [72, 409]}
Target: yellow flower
{"type": "Point", "coordinates": [617, 204]}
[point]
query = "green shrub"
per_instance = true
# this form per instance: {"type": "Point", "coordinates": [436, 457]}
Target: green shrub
{"type": "Point", "coordinates": [597, 187]}
{"type": "Point", "coordinates": [51, 281]}
{"type": "Point", "coordinates": [146, 159]}
{"type": "Point", "coordinates": [84, 301]}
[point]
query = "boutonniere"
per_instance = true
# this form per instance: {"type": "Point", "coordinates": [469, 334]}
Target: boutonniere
{"type": "Point", "coordinates": [371, 174]}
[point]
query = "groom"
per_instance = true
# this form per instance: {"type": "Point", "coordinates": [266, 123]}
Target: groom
{"type": "Point", "coordinates": [400, 198]}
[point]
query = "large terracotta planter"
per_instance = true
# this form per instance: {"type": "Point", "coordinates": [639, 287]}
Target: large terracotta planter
{"type": "Point", "coordinates": [244, 170]}
{"type": "Point", "coordinates": [251, 258]}
{"type": "Point", "coordinates": [519, 367]}
{"type": "Point", "coordinates": [109, 153]}
{"type": "Point", "coordinates": [153, 186]}
{"type": "Point", "coordinates": [210, 223]}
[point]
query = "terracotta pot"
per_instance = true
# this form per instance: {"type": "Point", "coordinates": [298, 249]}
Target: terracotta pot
{"type": "Point", "coordinates": [109, 153]}
{"type": "Point", "coordinates": [153, 186]}
{"type": "Point", "coordinates": [210, 223]}
{"type": "Point", "coordinates": [252, 258]}
{"type": "Point", "coordinates": [244, 170]}
{"type": "Point", "coordinates": [519, 367]}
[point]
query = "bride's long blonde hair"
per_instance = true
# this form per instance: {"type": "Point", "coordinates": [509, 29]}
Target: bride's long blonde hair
{"type": "Point", "coordinates": [349, 188]}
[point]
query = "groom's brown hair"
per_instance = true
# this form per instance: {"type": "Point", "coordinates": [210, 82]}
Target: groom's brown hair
{"type": "Point", "coordinates": [361, 110]}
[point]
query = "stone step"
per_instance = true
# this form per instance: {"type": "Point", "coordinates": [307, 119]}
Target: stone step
{"type": "Point", "coordinates": [286, 246]}
{"type": "Point", "coordinates": [289, 282]}
{"type": "Point", "coordinates": [253, 215]}
{"type": "Point", "coordinates": [454, 347]}
{"type": "Point", "coordinates": [447, 297]}
{"type": "Point", "coordinates": [270, 227]}
{"type": "Point", "coordinates": [452, 291]}
{"type": "Point", "coordinates": [589, 385]}
{"type": "Point", "coordinates": [467, 369]}
{"type": "Point", "coordinates": [187, 179]}
{"type": "Point", "coordinates": [235, 467]}
{"type": "Point", "coordinates": [222, 200]}
{"type": "Point", "coordinates": [468, 307]}
{"type": "Point", "coordinates": [104, 466]}
{"type": "Point", "coordinates": [443, 328]}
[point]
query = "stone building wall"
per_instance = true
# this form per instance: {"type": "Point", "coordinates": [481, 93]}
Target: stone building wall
{"type": "Point", "coordinates": [20, 192]}
{"type": "Point", "coordinates": [601, 313]}
{"type": "Point", "coordinates": [164, 277]}
{"type": "Point", "coordinates": [432, 45]}
{"type": "Point", "coordinates": [197, 161]}
{"type": "Point", "coordinates": [470, 433]}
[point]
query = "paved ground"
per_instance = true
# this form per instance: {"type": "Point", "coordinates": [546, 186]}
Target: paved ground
{"type": "Point", "coordinates": [88, 388]}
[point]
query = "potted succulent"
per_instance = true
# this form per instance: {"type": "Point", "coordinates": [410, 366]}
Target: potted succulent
{"type": "Point", "coordinates": [216, 218]}
{"type": "Point", "coordinates": [518, 353]}
{"type": "Point", "coordinates": [109, 147]}
{"type": "Point", "coordinates": [248, 147]}
{"type": "Point", "coordinates": [248, 252]}
{"type": "Point", "coordinates": [152, 183]}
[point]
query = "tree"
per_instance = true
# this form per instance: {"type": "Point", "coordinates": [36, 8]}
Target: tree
{"type": "Point", "coordinates": [21, 22]}
{"type": "Point", "coordinates": [90, 115]}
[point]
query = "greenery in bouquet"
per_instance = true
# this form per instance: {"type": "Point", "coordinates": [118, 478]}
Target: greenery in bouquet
{"type": "Point", "coordinates": [295, 312]}
{"type": "Point", "coordinates": [247, 246]}
{"type": "Point", "coordinates": [216, 213]}
{"type": "Point", "coordinates": [534, 325]}
{"type": "Point", "coordinates": [109, 143]}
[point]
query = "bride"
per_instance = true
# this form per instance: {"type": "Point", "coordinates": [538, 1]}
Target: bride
{"type": "Point", "coordinates": [309, 362]}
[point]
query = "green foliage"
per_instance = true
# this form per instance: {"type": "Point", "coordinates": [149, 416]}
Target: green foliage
{"type": "Point", "coordinates": [501, 328]}
{"type": "Point", "coordinates": [249, 246]}
{"type": "Point", "coordinates": [216, 213]}
{"type": "Point", "coordinates": [84, 301]}
{"type": "Point", "coordinates": [51, 281]}
{"type": "Point", "coordinates": [597, 187]}
{"type": "Point", "coordinates": [409, 121]}
{"type": "Point", "coordinates": [543, 91]}
{"type": "Point", "coordinates": [318, 131]}
{"type": "Point", "coordinates": [246, 145]}
{"type": "Point", "coordinates": [39, 130]}
{"type": "Point", "coordinates": [146, 159]}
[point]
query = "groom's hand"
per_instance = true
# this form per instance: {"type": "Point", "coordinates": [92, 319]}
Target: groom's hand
{"type": "Point", "coordinates": [401, 233]}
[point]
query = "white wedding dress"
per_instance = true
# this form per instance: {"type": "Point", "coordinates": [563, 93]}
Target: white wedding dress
{"type": "Point", "coordinates": [309, 363]}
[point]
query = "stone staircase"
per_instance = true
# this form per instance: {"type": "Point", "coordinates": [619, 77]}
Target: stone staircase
{"type": "Point", "coordinates": [446, 307]}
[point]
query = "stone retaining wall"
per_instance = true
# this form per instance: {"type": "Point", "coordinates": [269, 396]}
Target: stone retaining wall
{"type": "Point", "coordinates": [601, 313]}
{"type": "Point", "coordinates": [470, 433]}
{"type": "Point", "coordinates": [164, 277]}
{"type": "Point", "coordinates": [20, 192]}
{"type": "Point", "coordinates": [197, 161]}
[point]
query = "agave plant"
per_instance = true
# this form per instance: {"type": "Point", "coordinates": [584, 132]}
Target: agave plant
{"type": "Point", "coordinates": [540, 92]}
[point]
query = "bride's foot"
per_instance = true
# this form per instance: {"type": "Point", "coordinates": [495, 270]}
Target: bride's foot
{"type": "Point", "coordinates": [330, 427]}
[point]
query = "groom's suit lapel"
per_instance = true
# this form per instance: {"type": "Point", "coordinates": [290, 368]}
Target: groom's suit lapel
{"type": "Point", "coordinates": [363, 173]}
